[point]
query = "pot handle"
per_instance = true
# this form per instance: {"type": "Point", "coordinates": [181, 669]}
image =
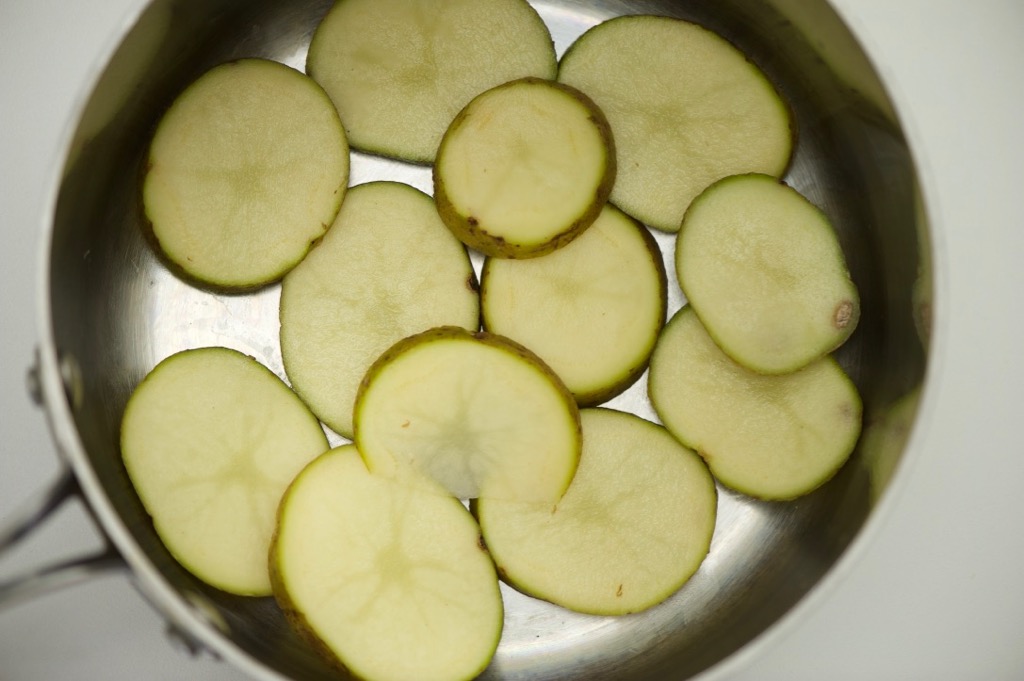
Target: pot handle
{"type": "Point", "coordinates": [24, 521]}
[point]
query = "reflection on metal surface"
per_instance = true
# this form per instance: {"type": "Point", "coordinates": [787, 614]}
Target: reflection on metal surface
{"type": "Point", "coordinates": [886, 432]}
{"type": "Point", "coordinates": [183, 317]}
{"type": "Point", "coordinates": [133, 58]}
{"type": "Point", "coordinates": [117, 310]}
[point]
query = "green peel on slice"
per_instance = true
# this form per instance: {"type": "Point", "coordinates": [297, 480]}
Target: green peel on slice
{"type": "Point", "coordinates": [764, 271]}
{"type": "Point", "coordinates": [524, 169]}
{"type": "Point", "coordinates": [633, 527]}
{"type": "Point", "coordinates": [388, 581]}
{"type": "Point", "coordinates": [211, 439]}
{"type": "Point", "coordinates": [246, 170]}
{"type": "Point", "coordinates": [591, 310]}
{"type": "Point", "coordinates": [686, 109]}
{"type": "Point", "coordinates": [773, 437]}
{"type": "Point", "coordinates": [476, 412]}
{"type": "Point", "coordinates": [400, 70]}
{"type": "Point", "coordinates": [387, 268]}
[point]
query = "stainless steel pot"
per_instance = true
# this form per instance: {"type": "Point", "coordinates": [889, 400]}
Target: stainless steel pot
{"type": "Point", "coordinates": [114, 311]}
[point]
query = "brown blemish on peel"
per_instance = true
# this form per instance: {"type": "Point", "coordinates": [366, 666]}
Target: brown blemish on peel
{"type": "Point", "coordinates": [843, 313]}
{"type": "Point", "coordinates": [618, 592]}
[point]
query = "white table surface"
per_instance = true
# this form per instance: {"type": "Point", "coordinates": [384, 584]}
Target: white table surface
{"type": "Point", "coordinates": [933, 588]}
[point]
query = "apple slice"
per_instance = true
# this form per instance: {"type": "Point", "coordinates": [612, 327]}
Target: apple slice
{"type": "Point", "coordinates": [774, 437]}
{"type": "Point", "coordinates": [524, 169]}
{"type": "Point", "coordinates": [591, 310]}
{"type": "Point", "coordinates": [399, 70]}
{"type": "Point", "coordinates": [390, 581]}
{"type": "Point", "coordinates": [246, 170]}
{"type": "Point", "coordinates": [476, 412]}
{"type": "Point", "coordinates": [633, 527]}
{"type": "Point", "coordinates": [388, 268]}
{"type": "Point", "coordinates": [763, 270]}
{"type": "Point", "coordinates": [686, 109]}
{"type": "Point", "coordinates": [210, 439]}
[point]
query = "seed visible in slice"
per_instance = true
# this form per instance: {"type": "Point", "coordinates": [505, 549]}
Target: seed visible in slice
{"type": "Point", "coordinates": [524, 169]}
{"type": "Point", "coordinates": [387, 269]}
{"type": "Point", "coordinates": [211, 439]}
{"type": "Point", "coordinates": [763, 270]}
{"type": "Point", "coordinates": [477, 412]}
{"type": "Point", "coordinates": [591, 310]}
{"type": "Point", "coordinates": [634, 525]}
{"type": "Point", "coordinates": [686, 109]}
{"type": "Point", "coordinates": [773, 437]}
{"type": "Point", "coordinates": [390, 581]}
{"type": "Point", "coordinates": [400, 70]}
{"type": "Point", "coordinates": [246, 170]}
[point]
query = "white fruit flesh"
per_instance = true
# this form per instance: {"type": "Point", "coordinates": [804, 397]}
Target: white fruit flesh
{"type": "Point", "coordinates": [247, 168]}
{"type": "Point", "coordinates": [763, 270]}
{"type": "Point", "coordinates": [591, 310]}
{"type": "Point", "coordinates": [476, 412]}
{"type": "Point", "coordinates": [388, 268]}
{"type": "Point", "coordinates": [524, 168]}
{"type": "Point", "coordinates": [211, 439]}
{"type": "Point", "coordinates": [399, 70]}
{"type": "Point", "coordinates": [686, 109]}
{"type": "Point", "coordinates": [773, 437]}
{"type": "Point", "coordinates": [392, 580]}
{"type": "Point", "coordinates": [634, 525]}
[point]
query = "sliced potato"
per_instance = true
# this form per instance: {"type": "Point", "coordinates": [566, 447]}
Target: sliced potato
{"type": "Point", "coordinates": [633, 527]}
{"type": "Point", "coordinates": [476, 412]}
{"type": "Point", "coordinates": [524, 169]}
{"type": "Point", "coordinates": [773, 437]}
{"type": "Point", "coordinates": [763, 270]}
{"type": "Point", "coordinates": [390, 581]}
{"type": "Point", "coordinates": [591, 310]}
{"type": "Point", "coordinates": [686, 109]}
{"type": "Point", "coordinates": [211, 439]}
{"type": "Point", "coordinates": [387, 269]}
{"type": "Point", "coordinates": [399, 70]}
{"type": "Point", "coordinates": [246, 170]}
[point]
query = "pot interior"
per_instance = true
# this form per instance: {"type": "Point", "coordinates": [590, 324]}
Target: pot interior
{"type": "Point", "coordinates": [117, 311]}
